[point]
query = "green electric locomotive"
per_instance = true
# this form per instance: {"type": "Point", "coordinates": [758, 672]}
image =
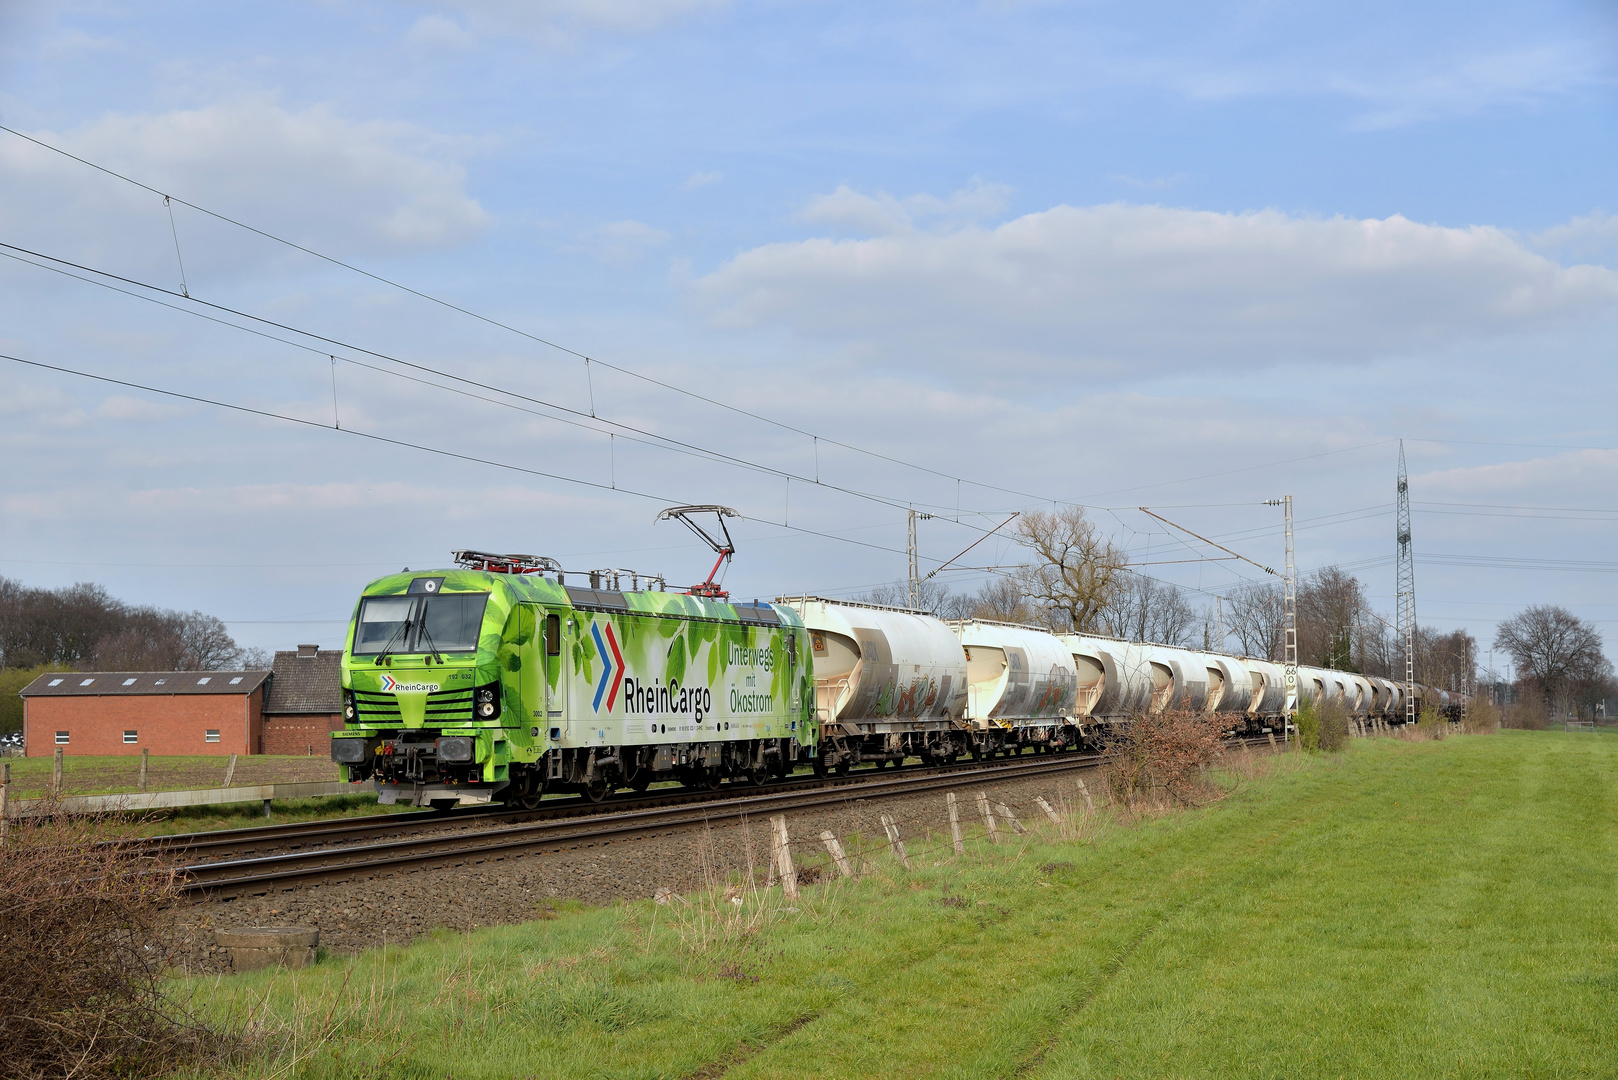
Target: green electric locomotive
{"type": "Point", "coordinates": [499, 680]}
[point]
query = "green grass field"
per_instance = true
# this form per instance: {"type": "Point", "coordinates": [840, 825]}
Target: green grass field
{"type": "Point", "coordinates": [1407, 909]}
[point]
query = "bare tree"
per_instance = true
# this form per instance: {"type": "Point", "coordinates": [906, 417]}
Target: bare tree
{"type": "Point", "coordinates": [1332, 611]}
{"type": "Point", "coordinates": [1145, 609]}
{"type": "Point", "coordinates": [82, 625]}
{"type": "Point", "coordinates": [1002, 599]}
{"type": "Point", "coordinates": [1075, 570]}
{"type": "Point", "coordinates": [1555, 651]}
{"type": "Point", "coordinates": [1255, 611]}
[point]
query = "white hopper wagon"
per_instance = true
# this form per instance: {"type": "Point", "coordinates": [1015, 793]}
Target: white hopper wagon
{"type": "Point", "coordinates": [888, 682]}
{"type": "Point", "coordinates": [1022, 686]}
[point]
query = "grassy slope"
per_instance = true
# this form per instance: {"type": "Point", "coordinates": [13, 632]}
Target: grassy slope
{"type": "Point", "coordinates": [1411, 909]}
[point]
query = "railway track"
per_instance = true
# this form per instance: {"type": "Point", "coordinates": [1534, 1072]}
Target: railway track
{"type": "Point", "coordinates": [332, 831]}
{"type": "Point", "coordinates": [238, 877]}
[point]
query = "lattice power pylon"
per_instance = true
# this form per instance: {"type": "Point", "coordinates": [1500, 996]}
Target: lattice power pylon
{"type": "Point", "coordinates": [1290, 656]}
{"type": "Point", "coordinates": [1407, 589]}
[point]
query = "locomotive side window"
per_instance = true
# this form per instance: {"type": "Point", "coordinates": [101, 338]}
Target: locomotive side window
{"type": "Point", "coordinates": [553, 635]}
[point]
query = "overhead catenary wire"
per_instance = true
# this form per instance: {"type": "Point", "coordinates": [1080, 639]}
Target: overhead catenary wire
{"type": "Point", "coordinates": [406, 444]}
{"type": "Point", "coordinates": [15, 252]}
{"type": "Point", "coordinates": [490, 321]}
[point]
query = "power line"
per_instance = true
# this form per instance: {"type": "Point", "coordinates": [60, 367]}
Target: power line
{"type": "Point", "coordinates": [337, 343]}
{"type": "Point", "coordinates": [472, 458]}
{"type": "Point", "coordinates": [450, 305]}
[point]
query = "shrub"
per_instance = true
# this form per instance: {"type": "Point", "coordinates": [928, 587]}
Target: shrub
{"type": "Point", "coordinates": [80, 914]}
{"type": "Point", "coordinates": [1529, 714]}
{"type": "Point", "coordinates": [1163, 755]}
{"type": "Point", "coordinates": [1431, 723]}
{"type": "Point", "coordinates": [1332, 727]}
{"type": "Point", "coordinates": [1307, 720]}
{"type": "Point", "coordinates": [1482, 717]}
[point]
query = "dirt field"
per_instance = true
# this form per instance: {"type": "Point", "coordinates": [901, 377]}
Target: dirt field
{"type": "Point", "coordinates": [87, 775]}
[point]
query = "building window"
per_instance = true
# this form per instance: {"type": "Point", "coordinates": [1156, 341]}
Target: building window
{"type": "Point", "coordinates": [211, 736]}
{"type": "Point", "coordinates": [61, 738]}
{"type": "Point", "coordinates": [204, 680]}
{"type": "Point", "coordinates": [55, 682]}
{"type": "Point", "coordinates": [160, 682]}
{"type": "Point", "coordinates": [129, 682]}
{"type": "Point", "coordinates": [87, 682]}
{"type": "Point", "coordinates": [129, 737]}
{"type": "Point", "coordinates": [236, 680]}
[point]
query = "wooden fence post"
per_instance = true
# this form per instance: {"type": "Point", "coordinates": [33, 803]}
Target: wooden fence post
{"type": "Point", "coordinates": [145, 752]}
{"type": "Point", "coordinates": [898, 845]}
{"type": "Point", "coordinates": [1050, 811]}
{"type": "Point", "coordinates": [1005, 812]}
{"type": "Point", "coordinates": [829, 838]}
{"type": "Point", "coordinates": [5, 822]}
{"type": "Point", "coordinates": [783, 856]}
{"type": "Point", "coordinates": [1271, 734]}
{"type": "Point", "coordinates": [230, 770]}
{"type": "Point", "coordinates": [56, 773]}
{"type": "Point", "coordinates": [1089, 803]}
{"type": "Point", "coordinates": [988, 818]}
{"type": "Point", "coordinates": [955, 824]}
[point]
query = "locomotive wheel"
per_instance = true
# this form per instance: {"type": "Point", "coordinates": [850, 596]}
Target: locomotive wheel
{"type": "Point", "coordinates": [749, 778]}
{"type": "Point", "coordinates": [596, 790]}
{"type": "Point", "coordinates": [525, 794]}
{"type": "Point", "coordinates": [641, 780]}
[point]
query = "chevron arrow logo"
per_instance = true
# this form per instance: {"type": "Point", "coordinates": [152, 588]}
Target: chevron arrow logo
{"type": "Point", "coordinates": [612, 666]}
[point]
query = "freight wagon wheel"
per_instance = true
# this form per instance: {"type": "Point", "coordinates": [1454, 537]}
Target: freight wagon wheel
{"type": "Point", "coordinates": [818, 767]}
{"type": "Point", "coordinates": [842, 767]}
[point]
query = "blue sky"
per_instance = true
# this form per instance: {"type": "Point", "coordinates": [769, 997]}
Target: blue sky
{"type": "Point", "coordinates": [1083, 252]}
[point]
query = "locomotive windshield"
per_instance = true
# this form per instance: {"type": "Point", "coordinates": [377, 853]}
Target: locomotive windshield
{"type": "Point", "coordinates": [448, 622]}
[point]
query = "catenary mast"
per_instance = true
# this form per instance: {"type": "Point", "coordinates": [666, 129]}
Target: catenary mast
{"type": "Point", "coordinates": [1407, 589]}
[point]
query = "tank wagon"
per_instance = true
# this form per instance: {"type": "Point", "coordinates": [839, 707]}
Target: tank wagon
{"type": "Point", "coordinates": [498, 679]}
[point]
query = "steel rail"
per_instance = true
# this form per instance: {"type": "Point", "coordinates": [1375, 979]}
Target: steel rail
{"type": "Point", "coordinates": [236, 877]}
{"type": "Point", "coordinates": [331, 830]}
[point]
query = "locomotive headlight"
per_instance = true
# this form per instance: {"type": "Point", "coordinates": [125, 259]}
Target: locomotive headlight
{"type": "Point", "coordinates": [486, 694]}
{"type": "Point", "coordinates": [455, 748]}
{"type": "Point", "coordinates": [348, 751]}
{"type": "Point", "coordinates": [486, 709]}
{"type": "Point", "coordinates": [486, 701]}
{"type": "Point", "coordinates": [348, 713]}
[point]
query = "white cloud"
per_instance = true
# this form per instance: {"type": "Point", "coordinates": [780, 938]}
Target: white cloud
{"type": "Point", "coordinates": [883, 215]}
{"type": "Point", "coordinates": [309, 175]}
{"type": "Point", "coordinates": [436, 33]}
{"type": "Point", "coordinates": [624, 243]}
{"type": "Point", "coordinates": [123, 409]}
{"type": "Point", "coordinates": [554, 21]}
{"type": "Point", "coordinates": [1593, 237]}
{"type": "Point", "coordinates": [1469, 84]}
{"type": "Point", "coordinates": [1140, 289]}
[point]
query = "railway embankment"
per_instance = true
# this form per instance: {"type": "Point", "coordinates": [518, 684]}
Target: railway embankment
{"type": "Point", "coordinates": [1406, 908]}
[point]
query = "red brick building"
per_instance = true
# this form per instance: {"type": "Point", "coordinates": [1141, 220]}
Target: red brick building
{"type": "Point", "coordinates": [125, 712]}
{"type": "Point", "coordinates": [304, 702]}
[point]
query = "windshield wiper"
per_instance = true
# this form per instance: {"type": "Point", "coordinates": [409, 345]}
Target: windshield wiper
{"type": "Point", "coordinates": [402, 627]}
{"type": "Point", "coordinates": [428, 634]}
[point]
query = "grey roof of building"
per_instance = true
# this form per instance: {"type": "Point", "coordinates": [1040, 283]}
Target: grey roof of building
{"type": "Point", "coordinates": [306, 684]}
{"type": "Point", "coordinates": [110, 683]}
